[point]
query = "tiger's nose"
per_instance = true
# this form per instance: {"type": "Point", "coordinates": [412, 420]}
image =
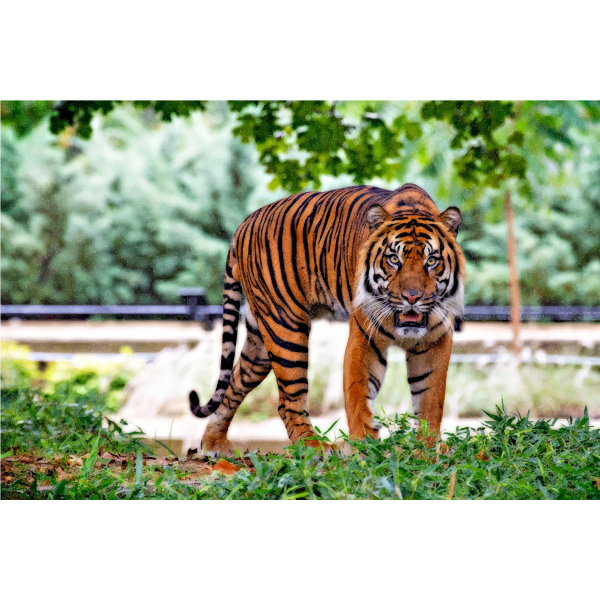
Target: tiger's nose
{"type": "Point", "coordinates": [411, 295]}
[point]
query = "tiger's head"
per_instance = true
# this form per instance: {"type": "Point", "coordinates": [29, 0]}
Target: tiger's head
{"type": "Point", "coordinates": [411, 269]}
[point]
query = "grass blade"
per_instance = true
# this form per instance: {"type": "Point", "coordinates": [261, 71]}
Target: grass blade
{"type": "Point", "coordinates": [59, 489]}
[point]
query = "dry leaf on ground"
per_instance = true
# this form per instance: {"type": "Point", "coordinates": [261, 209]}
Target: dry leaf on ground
{"type": "Point", "coordinates": [198, 471]}
{"type": "Point", "coordinates": [225, 467]}
{"type": "Point", "coordinates": [481, 455]}
{"type": "Point", "coordinates": [60, 474]}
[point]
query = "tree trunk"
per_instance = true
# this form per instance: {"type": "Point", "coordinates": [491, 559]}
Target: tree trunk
{"type": "Point", "coordinates": [515, 292]}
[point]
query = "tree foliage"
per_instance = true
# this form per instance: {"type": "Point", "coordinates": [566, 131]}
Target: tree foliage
{"type": "Point", "coordinates": [146, 205]}
{"type": "Point", "coordinates": [126, 217]}
{"type": "Point", "coordinates": [300, 141]}
{"type": "Point", "coordinates": [23, 115]}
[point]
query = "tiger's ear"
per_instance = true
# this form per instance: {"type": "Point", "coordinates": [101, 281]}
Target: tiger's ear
{"type": "Point", "coordinates": [452, 219]}
{"type": "Point", "coordinates": [377, 215]}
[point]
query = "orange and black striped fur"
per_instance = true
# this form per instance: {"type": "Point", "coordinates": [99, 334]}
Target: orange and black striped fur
{"type": "Point", "coordinates": [386, 260]}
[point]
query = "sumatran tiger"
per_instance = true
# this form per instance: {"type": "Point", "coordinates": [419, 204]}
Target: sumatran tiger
{"type": "Point", "coordinates": [386, 260]}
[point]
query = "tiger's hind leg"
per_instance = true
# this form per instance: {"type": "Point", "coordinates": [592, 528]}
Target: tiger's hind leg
{"type": "Point", "coordinates": [250, 370]}
{"type": "Point", "coordinates": [287, 347]}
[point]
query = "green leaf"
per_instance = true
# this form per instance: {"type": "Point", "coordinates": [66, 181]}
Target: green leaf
{"type": "Point", "coordinates": [330, 427]}
{"type": "Point", "coordinates": [297, 496]}
{"type": "Point", "coordinates": [516, 138]}
{"type": "Point", "coordinates": [59, 489]}
{"type": "Point", "coordinates": [90, 461]}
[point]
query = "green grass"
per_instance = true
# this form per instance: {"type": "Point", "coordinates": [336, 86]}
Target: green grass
{"type": "Point", "coordinates": [60, 445]}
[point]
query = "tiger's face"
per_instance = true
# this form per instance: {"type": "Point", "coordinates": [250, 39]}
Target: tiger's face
{"type": "Point", "coordinates": [412, 272]}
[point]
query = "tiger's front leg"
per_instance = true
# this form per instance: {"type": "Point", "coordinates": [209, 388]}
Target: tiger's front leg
{"type": "Point", "coordinates": [427, 366]}
{"type": "Point", "coordinates": [364, 370]}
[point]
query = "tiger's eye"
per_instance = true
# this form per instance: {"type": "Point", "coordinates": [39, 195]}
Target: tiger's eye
{"type": "Point", "coordinates": [432, 260]}
{"type": "Point", "coordinates": [394, 260]}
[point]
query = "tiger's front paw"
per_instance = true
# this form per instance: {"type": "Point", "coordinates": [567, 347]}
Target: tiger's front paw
{"type": "Point", "coordinates": [343, 448]}
{"type": "Point", "coordinates": [327, 448]}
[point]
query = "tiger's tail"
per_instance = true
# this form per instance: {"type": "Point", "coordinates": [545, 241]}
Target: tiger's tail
{"type": "Point", "coordinates": [232, 296]}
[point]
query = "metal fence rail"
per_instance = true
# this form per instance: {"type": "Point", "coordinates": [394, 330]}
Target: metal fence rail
{"type": "Point", "coordinates": [197, 309]}
{"type": "Point", "coordinates": [194, 299]}
{"type": "Point", "coordinates": [32, 310]}
{"type": "Point", "coordinates": [487, 313]}
{"type": "Point", "coordinates": [533, 313]}
{"type": "Point", "coordinates": [546, 359]}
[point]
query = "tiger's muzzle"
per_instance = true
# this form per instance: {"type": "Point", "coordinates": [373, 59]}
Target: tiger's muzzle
{"type": "Point", "coordinates": [410, 319]}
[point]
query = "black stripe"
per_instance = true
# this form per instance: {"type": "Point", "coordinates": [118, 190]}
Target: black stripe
{"type": "Point", "coordinates": [302, 413]}
{"type": "Point", "coordinates": [419, 377]}
{"type": "Point", "coordinates": [288, 382]}
{"type": "Point", "coordinates": [375, 382]}
{"type": "Point", "coordinates": [253, 330]}
{"type": "Point", "coordinates": [225, 358]}
{"type": "Point", "coordinates": [372, 344]}
{"type": "Point", "coordinates": [411, 351]}
{"type": "Point", "coordinates": [301, 391]}
{"type": "Point", "coordinates": [230, 337]}
{"type": "Point", "coordinates": [288, 364]}
{"type": "Point", "coordinates": [289, 346]}
{"type": "Point", "coordinates": [246, 358]}
{"type": "Point", "coordinates": [283, 229]}
{"type": "Point", "coordinates": [419, 391]}
{"type": "Point", "coordinates": [380, 328]}
{"type": "Point", "coordinates": [252, 384]}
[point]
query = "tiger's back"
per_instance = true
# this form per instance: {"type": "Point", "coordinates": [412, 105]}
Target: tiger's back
{"type": "Point", "coordinates": [305, 247]}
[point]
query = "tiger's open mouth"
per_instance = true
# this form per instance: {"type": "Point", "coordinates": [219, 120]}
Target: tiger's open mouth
{"type": "Point", "coordinates": [410, 319]}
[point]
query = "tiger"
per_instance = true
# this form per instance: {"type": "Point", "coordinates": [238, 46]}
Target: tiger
{"type": "Point", "coordinates": [387, 261]}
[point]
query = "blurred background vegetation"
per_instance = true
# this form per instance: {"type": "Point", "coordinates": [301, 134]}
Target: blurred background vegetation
{"type": "Point", "coordinates": [122, 203]}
